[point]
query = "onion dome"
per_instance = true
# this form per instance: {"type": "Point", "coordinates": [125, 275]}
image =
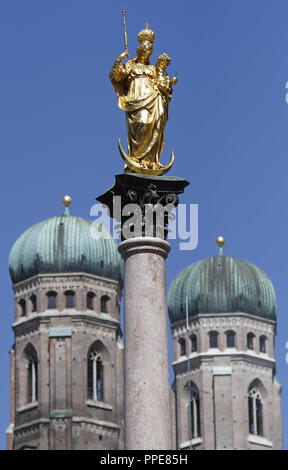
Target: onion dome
{"type": "Point", "coordinates": [65, 244]}
{"type": "Point", "coordinates": [222, 284]}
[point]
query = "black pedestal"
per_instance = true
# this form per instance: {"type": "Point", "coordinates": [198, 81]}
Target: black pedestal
{"type": "Point", "coordinates": [145, 193]}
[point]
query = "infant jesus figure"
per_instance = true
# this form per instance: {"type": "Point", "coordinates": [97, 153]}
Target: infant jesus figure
{"type": "Point", "coordinates": [164, 82]}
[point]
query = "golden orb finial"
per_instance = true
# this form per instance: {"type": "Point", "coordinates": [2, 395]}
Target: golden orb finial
{"type": "Point", "coordinates": [66, 201]}
{"type": "Point", "coordinates": [220, 241]}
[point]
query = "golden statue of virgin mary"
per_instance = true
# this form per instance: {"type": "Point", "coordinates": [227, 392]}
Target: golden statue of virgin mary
{"type": "Point", "coordinates": [144, 92]}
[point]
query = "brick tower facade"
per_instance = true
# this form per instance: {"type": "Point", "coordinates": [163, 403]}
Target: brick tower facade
{"type": "Point", "coordinates": [67, 360]}
{"type": "Point", "coordinates": [226, 394]}
{"type": "Point", "coordinates": [234, 394]}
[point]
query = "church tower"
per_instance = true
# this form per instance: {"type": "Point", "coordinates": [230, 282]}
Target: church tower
{"type": "Point", "coordinates": [67, 360]}
{"type": "Point", "coordinates": [226, 395]}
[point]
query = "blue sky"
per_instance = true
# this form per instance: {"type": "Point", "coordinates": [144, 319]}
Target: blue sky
{"type": "Point", "coordinates": [228, 126]}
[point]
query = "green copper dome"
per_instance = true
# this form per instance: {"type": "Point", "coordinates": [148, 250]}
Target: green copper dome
{"type": "Point", "coordinates": [222, 284]}
{"type": "Point", "coordinates": [63, 245]}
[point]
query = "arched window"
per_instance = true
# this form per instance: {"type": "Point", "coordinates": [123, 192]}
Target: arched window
{"type": "Point", "coordinates": [32, 374]}
{"type": "Point", "coordinates": [213, 339]}
{"type": "Point", "coordinates": [262, 344]}
{"type": "Point", "coordinates": [182, 344]}
{"type": "Point", "coordinates": [33, 300]}
{"type": "Point", "coordinates": [255, 409]}
{"type": "Point", "coordinates": [230, 339]}
{"type": "Point", "coordinates": [193, 339]}
{"type": "Point", "coordinates": [69, 299]}
{"type": "Point", "coordinates": [51, 299]}
{"type": "Point", "coordinates": [194, 410]}
{"type": "Point", "coordinates": [95, 388]}
{"type": "Point", "coordinates": [104, 303]}
{"type": "Point", "coordinates": [90, 297]}
{"type": "Point", "coordinates": [250, 341]}
{"type": "Point", "coordinates": [22, 305]}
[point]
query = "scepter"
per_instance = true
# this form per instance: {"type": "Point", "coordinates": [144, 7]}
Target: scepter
{"type": "Point", "coordinates": [125, 32]}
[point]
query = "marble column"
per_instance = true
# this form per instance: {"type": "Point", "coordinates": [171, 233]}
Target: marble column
{"type": "Point", "coordinates": [147, 386]}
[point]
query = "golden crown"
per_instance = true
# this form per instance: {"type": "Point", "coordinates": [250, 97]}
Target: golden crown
{"type": "Point", "coordinates": [146, 35]}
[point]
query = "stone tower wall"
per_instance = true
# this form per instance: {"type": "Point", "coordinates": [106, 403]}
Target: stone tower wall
{"type": "Point", "coordinates": [63, 416]}
{"type": "Point", "coordinates": [223, 377]}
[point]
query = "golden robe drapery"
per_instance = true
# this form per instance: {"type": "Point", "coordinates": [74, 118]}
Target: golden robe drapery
{"type": "Point", "coordinates": [146, 111]}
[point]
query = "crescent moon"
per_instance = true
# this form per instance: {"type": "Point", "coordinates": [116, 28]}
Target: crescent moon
{"type": "Point", "coordinates": [134, 166]}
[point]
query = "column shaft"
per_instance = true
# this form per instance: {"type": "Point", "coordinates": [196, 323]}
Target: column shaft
{"type": "Point", "coordinates": [147, 387]}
